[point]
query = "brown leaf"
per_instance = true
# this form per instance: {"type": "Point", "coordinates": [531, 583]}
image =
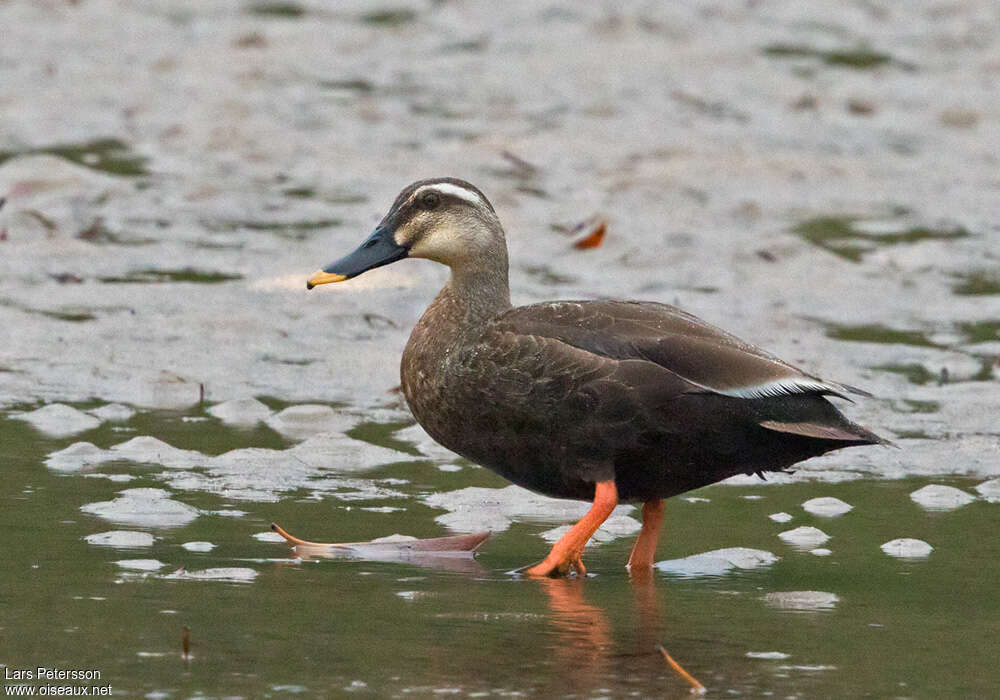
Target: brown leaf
{"type": "Point", "coordinates": [594, 239]}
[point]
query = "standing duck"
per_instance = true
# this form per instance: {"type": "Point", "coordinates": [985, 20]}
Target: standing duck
{"type": "Point", "coordinates": [602, 401]}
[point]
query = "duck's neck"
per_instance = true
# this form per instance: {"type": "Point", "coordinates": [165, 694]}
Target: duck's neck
{"type": "Point", "coordinates": [477, 292]}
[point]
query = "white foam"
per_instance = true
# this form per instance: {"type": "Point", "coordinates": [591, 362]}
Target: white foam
{"type": "Point", "coordinates": [268, 536]}
{"type": "Point", "coordinates": [781, 517]}
{"type": "Point", "coordinates": [141, 564]}
{"type": "Point", "coordinates": [827, 507]}
{"type": "Point", "coordinates": [425, 444]}
{"type": "Point", "coordinates": [611, 529]}
{"type": "Point", "coordinates": [990, 490]}
{"type": "Point", "coordinates": [800, 475]}
{"type": "Point", "coordinates": [307, 420]}
{"type": "Point", "coordinates": [229, 574]}
{"type": "Point", "coordinates": [718, 562]}
{"type": "Point", "coordinates": [257, 474]}
{"type": "Point", "coordinates": [907, 548]}
{"type": "Point", "coordinates": [241, 412]}
{"type": "Point", "coordinates": [117, 478]}
{"type": "Point", "coordinates": [58, 420]}
{"type": "Point", "coordinates": [144, 507]}
{"type": "Point", "coordinates": [166, 390]}
{"type": "Point", "coordinates": [474, 509]}
{"type": "Point", "coordinates": [77, 456]}
{"type": "Point", "coordinates": [804, 537]}
{"type": "Point", "coordinates": [938, 497]}
{"type": "Point", "coordinates": [114, 412]}
{"type": "Point", "coordinates": [198, 546]}
{"type": "Point", "coordinates": [120, 538]}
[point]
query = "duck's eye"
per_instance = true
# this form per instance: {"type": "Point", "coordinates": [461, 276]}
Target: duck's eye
{"type": "Point", "coordinates": [430, 200]}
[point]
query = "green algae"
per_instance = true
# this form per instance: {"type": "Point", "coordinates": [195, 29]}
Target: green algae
{"type": "Point", "coordinates": [980, 331]}
{"type": "Point", "coordinates": [160, 276]}
{"type": "Point", "coordinates": [299, 192]}
{"type": "Point", "coordinates": [977, 283]}
{"type": "Point", "coordinates": [915, 374]}
{"type": "Point", "coordinates": [838, 235]}
{"type": "Point", "coordinates": [860, 58]}
{"type": "Point", "coordinates": [358, 85]}
{"type": "Point", "coordinates": [291, 230]}
{"type": "Point", "coordinates": [547, 276]}
{"type": "Point", "coordinates": [99, 234]}
{"type": "Point", "coordinates": [286, 361]}
{"type": "Point", "coordinates": [922, 406]}
{"type": "Point", "coordinates": [913, 435]}
{"type": "Point", "coordinates": [106, 155]}
{"type": "Point", "coordinates": [383, 435]}
{"type": "Point", "coordinates": [985, 373]}
{"type": "Point", "coordinates": [389, 17]}
{"type": "Point", "coordinates": [289, 10]}
{"type": "Point", "coordinates": [69, 315]}
{"type": "Point", "coordinates": [878, 333]}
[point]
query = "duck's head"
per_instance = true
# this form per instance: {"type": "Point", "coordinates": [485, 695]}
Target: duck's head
{"type": "Point", "coordinates": [442, 219]}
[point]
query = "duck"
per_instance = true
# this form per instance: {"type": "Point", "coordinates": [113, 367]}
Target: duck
{"type": "Point", "coordinates": [606, 401]}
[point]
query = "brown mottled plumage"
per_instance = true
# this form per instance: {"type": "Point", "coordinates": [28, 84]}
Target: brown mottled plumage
{"type": "Point", "coordinates": [559, 397]}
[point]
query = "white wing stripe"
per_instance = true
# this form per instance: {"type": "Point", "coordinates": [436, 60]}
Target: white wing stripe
{"type": "Point", "coordinates": [780, 387]}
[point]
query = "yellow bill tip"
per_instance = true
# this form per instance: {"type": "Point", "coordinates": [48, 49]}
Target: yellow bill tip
{"type": "Point", "coordinates": [320, 277]}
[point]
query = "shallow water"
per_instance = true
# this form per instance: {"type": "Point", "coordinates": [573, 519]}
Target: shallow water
{"type": "Point", "coordinates": [855, 621]}
{"type": "Point", "coordinates": [817, 179]}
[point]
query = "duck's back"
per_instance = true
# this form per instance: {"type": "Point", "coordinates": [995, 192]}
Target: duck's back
{"type": "Point", "coordinates": [559, 395]}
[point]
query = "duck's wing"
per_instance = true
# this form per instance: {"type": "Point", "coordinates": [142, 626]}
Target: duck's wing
{"type": "Point", "coordinates": [705, 356]}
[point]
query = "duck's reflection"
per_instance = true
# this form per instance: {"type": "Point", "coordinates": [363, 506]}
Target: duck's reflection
{"type": "Point", "coordinates": [583, 642]}
{"type": "Point", "coordinates": [649, 623]}
{"type": "Point", "coordinates": [584, 647]}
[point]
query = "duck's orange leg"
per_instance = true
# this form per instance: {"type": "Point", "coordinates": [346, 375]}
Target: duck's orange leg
{"type": "Point", "coordinates": [567, 551]}
{"type": "Point", "coordinates": [644, 550]}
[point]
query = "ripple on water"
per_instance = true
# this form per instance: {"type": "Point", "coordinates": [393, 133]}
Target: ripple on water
{"type": "Point", "coordinates": [802, 600]}
{"type": "Point", "coordinates": [766, 655]}
{"type": "Point", "coordinates": [226, 574]}
{"type": "Point", "coordinates": [141, 564]}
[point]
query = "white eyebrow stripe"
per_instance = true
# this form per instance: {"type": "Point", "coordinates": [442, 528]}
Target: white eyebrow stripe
{"type": "Point", "coordinates": [453, 190]}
